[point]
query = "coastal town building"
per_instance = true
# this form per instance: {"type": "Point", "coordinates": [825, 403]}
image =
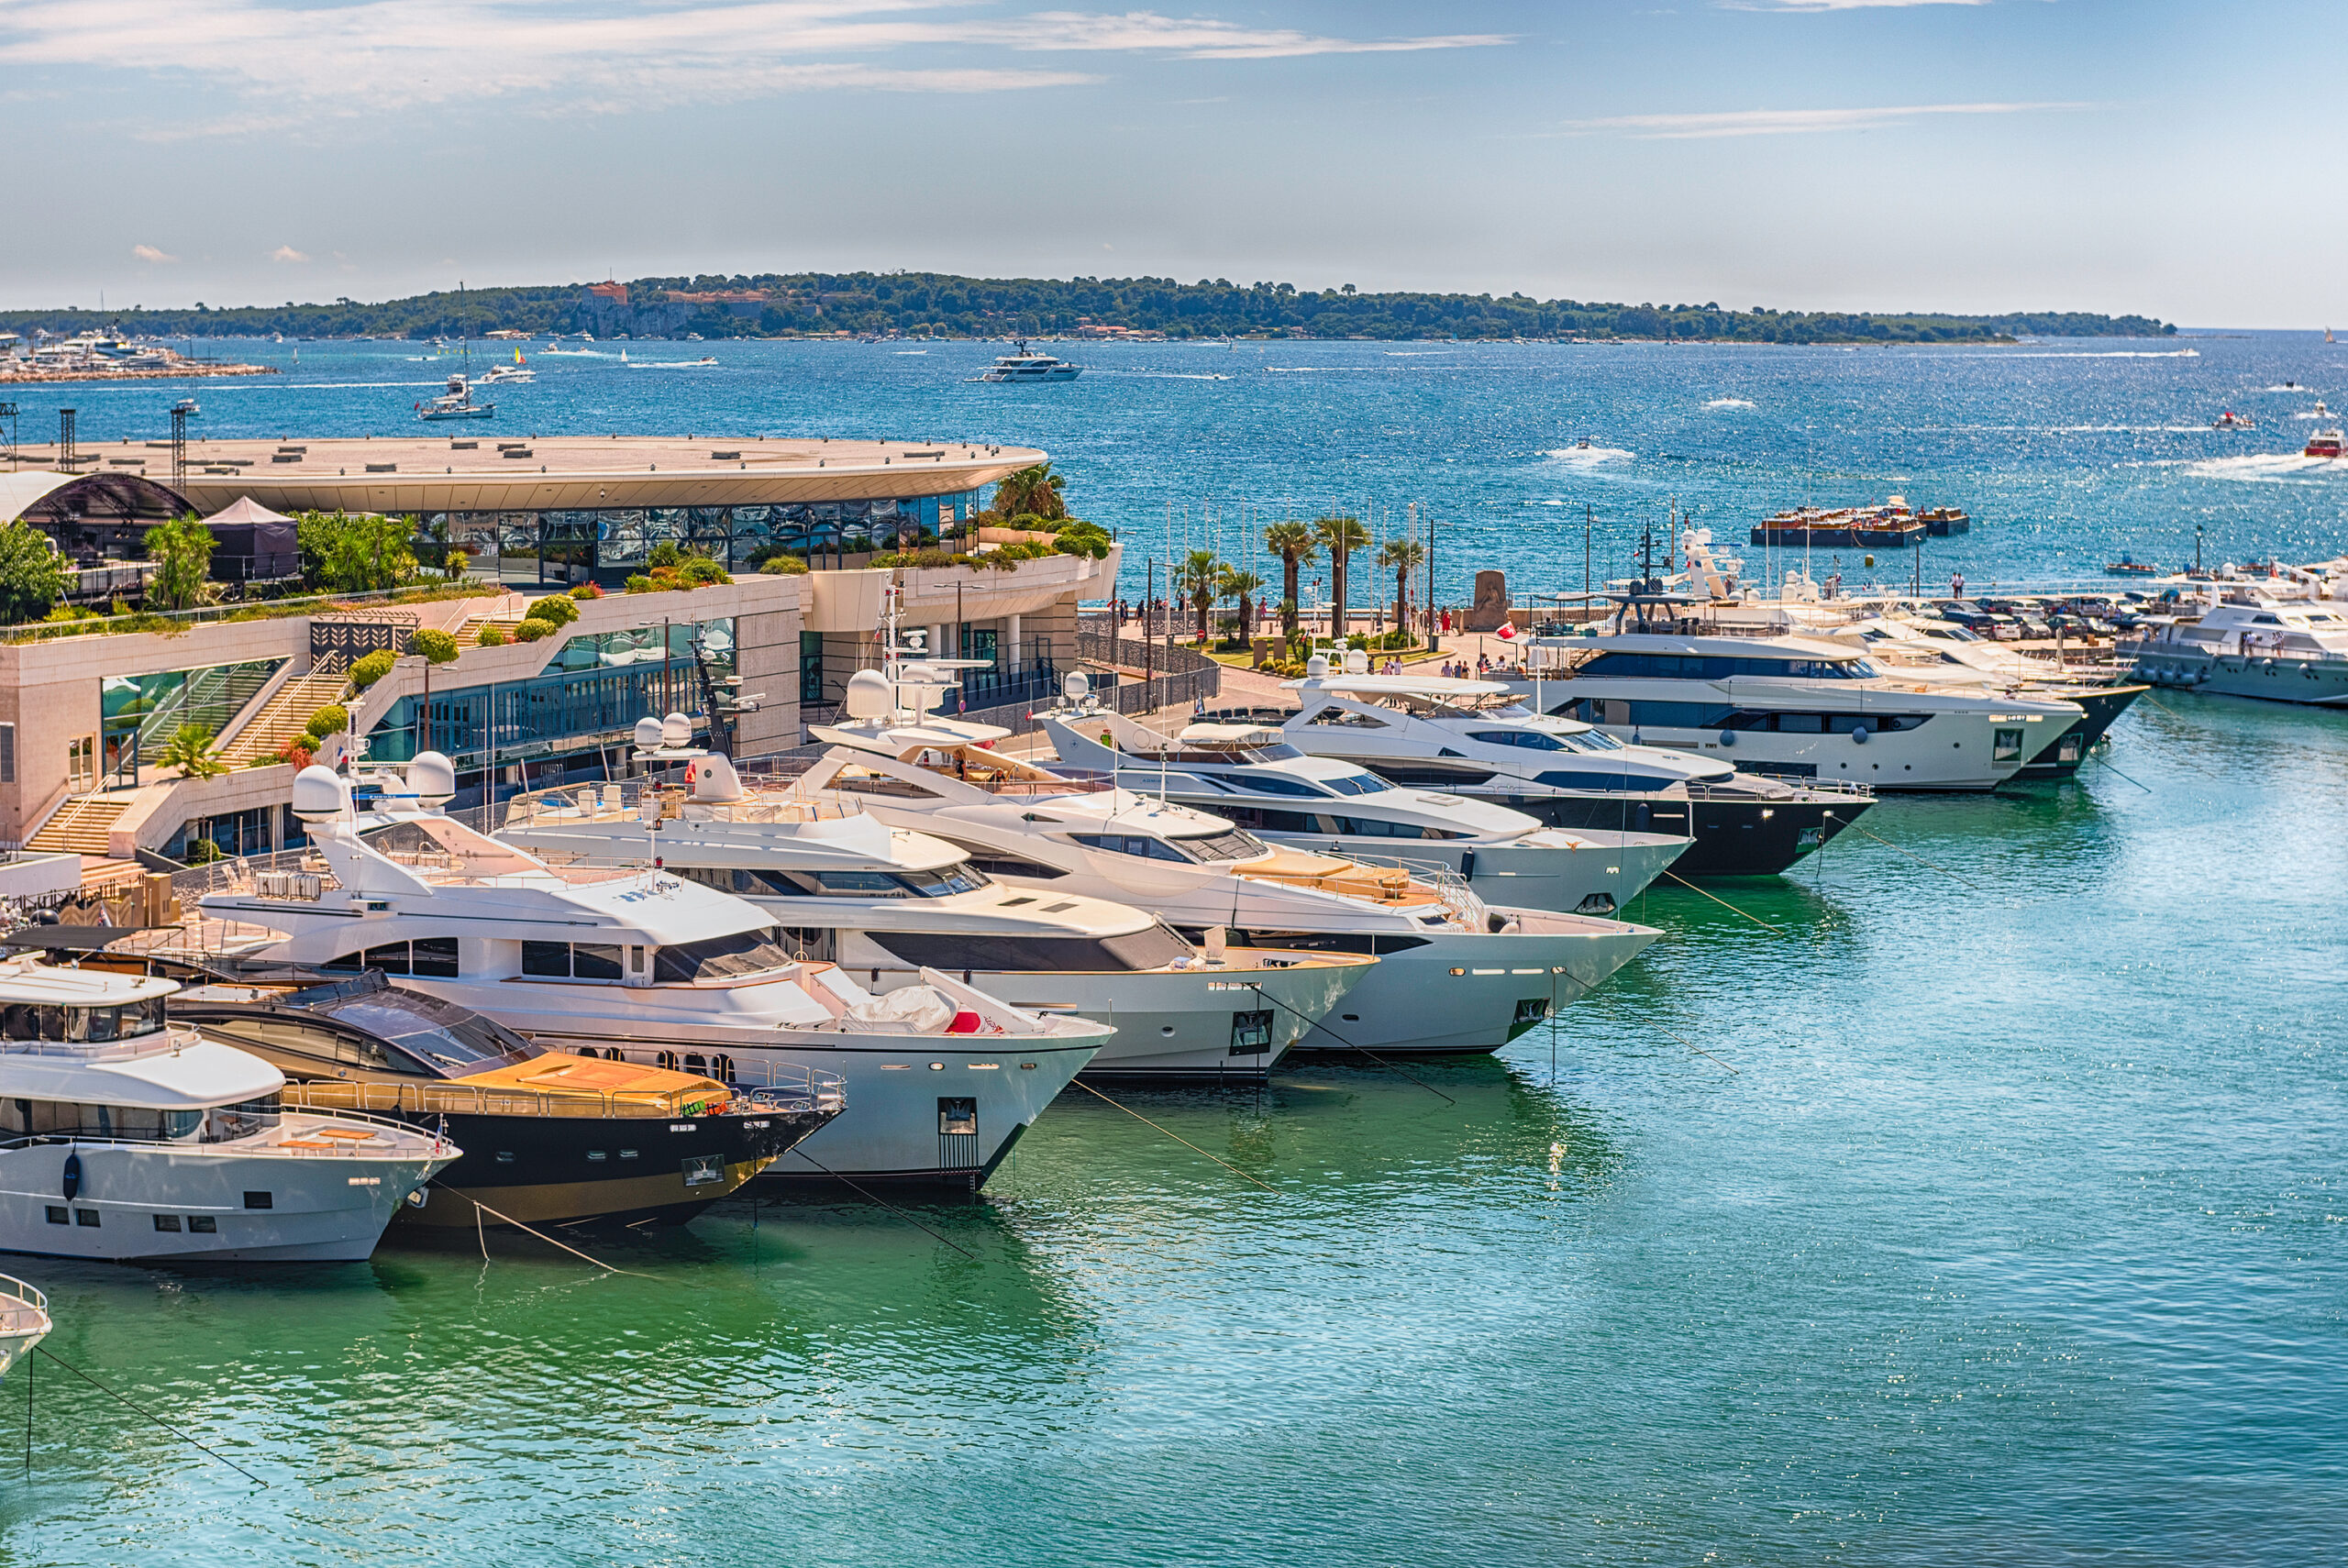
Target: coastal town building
{"type": "Point", "coordinates": [88, 712]}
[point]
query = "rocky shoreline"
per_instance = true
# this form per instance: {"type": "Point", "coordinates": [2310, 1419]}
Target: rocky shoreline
{"type": "Point", "coordinates": [24, 375]}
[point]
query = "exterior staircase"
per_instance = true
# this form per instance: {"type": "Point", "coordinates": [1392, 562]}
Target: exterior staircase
{"type": "Point", "coordinates": [469, 635]}
{"type": "Point", "coordinates": [285, 715]}
{"type": "Point", "coordinates": [80, 826]}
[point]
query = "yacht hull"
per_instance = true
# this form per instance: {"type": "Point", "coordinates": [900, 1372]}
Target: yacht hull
{"type": "Point", "coordinates": [1597, 875]}
{"type": "Point", "coordinates": [332, 1207]}
{"type": "Point", "coordinates": [1461, 994]}
{"type": "Point", "coordinates": [896, 1087]}
{"type": "Point", "coordinates": [554, 1170]}
{"type": "Point", "coordinates": [1735, 835]}
{"type": "Point", "coordinates": [1187, 1026]}
{"type": "Point", "coordinates": [2322, 683]}
{"type": "Point", "coordinates": [2102, 705]}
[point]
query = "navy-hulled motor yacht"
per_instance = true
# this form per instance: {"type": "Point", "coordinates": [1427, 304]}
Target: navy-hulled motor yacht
{"type": "Point", "coordinates": [1250, 774]}
{"type": "Point", "coordinates": [1480, 738]}
{"type": "Point", "coordinates": [640, 965]}
{"type": "Point", "coordinates": [885, 901]}
{"type": "Point", "coordinates": [1454, 973]}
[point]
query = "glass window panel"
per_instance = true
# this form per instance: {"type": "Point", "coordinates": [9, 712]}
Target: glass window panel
{"type": "Point", "coordinates": [594, 961]}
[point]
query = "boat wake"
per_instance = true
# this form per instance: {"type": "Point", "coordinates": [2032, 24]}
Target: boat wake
{"type": "Point", "coordinates": [910, 353]}
{"type": "Point", "coordinates": [1730, 402]}
{"type": "Point", "coordinates": [672, 364]}
{"type": "Point", "coordinates": [2106, 354]}
{"type": "Point", "coordinates": [2268, 468]}
{"type": "Point", "coordinates": [1587, 457]}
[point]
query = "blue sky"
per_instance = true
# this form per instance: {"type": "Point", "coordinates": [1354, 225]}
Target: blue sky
{"type": "Point", "coordinates": [2177, 159]}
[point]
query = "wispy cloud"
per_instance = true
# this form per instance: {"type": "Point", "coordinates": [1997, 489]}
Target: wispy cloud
{"type": "Point", "coordinates": [149, 253]}
{"type": "Point", "coordinates": [287, 253]}
{"type": "Point", "coordinates": [298, 62]}
{"type": "Point", "coordinates": [1794, 122]}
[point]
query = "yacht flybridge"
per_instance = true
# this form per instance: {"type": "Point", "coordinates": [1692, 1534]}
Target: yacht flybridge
{"type": "Point", "coordinates": [641, 965]}
{"type": "Point", "coordinates": [1481, 739]}
{"type": "Point", "coordinates": [1249, 774]}
{"type": "Point", "coordinates": [126, 1136]}
{"type": "Point", "coordinates": [1804, 708]}
{"type": "Point", "coordinates": [1454, 975]}
{"type": "Point", "coordinates": [885, 902]}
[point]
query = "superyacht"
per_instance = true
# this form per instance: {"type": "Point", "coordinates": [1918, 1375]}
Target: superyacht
{"type": "Point", "coordinates": [2249, 643]}
{"type": "Point", "coordinates": [639, 964]}
{"type": "Point", "coordinates": [1481, 739]}
{"type": "Point", "coordinates": [885, 902]}
{"type": "Point", "coordinates": [1454, 975]}
{"type": "Point", "coordinates": [1251, 775]}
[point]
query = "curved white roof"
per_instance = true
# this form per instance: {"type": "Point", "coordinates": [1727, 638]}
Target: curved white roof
{"type": "Point", "coordinates": [20, 491]}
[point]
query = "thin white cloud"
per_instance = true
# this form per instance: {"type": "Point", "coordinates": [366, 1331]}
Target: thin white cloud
{"type": "Point", "coordinates": [287, 253]}
{"type": "Point", "coordinates": [1794, 122]}
{"type": "Point", "coordinates": [300, 62]}
{"type": "Point", "coordinates": [149, 253]}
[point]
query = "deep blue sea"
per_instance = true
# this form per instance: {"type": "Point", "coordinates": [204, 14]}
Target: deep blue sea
{"type": "Point", "coordinates": [2067, 454]}
{"type": "Point", "coordinates": [1984, 1210]}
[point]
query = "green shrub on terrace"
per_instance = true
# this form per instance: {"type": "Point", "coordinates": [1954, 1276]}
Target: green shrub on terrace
{"type": "Point", "coordinates": [372, 668]}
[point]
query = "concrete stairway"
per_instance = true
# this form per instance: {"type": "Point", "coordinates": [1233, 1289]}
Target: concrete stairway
{"type": "Point", "coordinates": [469, 635]}
{"type": "Point", "coordinates": [80, 826]}
{"type": "Point", "coordinates": [286, 715]}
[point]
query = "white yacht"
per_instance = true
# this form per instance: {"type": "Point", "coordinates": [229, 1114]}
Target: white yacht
{"type": "Point", "coordinates": [456, 402]}
{"type": "Point", "coordinates": [640, 965]}
{"type": "Point", "coordinates": [24, 1321]}
{"type": "Point", "coordinates": [1454, 975]}
{"type": "Point", "coordinates": [886, 902]}
{"type": "Point", "coordinates": [1481, 739]}
{"type": "Point", "coordinates": [1804, 708]}
{"type": "Point", "coordinates": [123, 1136]}
{"type": "Point", "coordinates": [2249, 643]}
{"type": "Point", "coordinates": [1022, 365]}
{"type": "Point", "coordinates": [1251, 775]}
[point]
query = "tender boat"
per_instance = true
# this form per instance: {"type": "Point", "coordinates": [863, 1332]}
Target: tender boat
{"type": "Point", "coordinates": [2230, 420]}
{"type": "Point", "coordinates": [2323, 444]}
{"type": "Point", "coordinates": [1454, 973]}
{"type": "Point", "coordinates": [2124, 567]}
{"type": "Point", "coordinates": [550, 1138]}
{"type": "Point", "coordinates": [126, 1136]}
{"type": "Point", "coordinates": [642, 965]}
{"type": "Point", "coordinates": [1021, 365]}
{"type": "Point", "coordinates": [884, 902]}
{"type": "Point", "coordinates": [1249, 773]}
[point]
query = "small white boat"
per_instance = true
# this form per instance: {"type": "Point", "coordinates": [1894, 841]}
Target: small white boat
{"type": "Point", "coordinates": [1024, 366]}
{"type": "Point", "coordinates": [456, 402]}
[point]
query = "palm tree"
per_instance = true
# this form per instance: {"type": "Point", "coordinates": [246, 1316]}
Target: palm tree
{"type": "Point", "coordinates": [1243, 586]}
{"type": "Point", "coordinates": [1294, 544]}
{"type": "Point", "coordinates": [1031, 492]}
{"type": "Point", "coordinates": [1195, 580]}
{"type": "Point", "coordinates": [1341, 537]}
{"type": "Point", "coordinates": [191, 751]}
{"type": "Point", "coordinates": [1402, 557]}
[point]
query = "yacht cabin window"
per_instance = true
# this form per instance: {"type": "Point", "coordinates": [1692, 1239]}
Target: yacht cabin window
{"type": "Point", "coordinates": [81, 1026]}
{"type": "Point", "coordinates": [22, 1119]}
{"type": "Point", "coordinates": [745, 882]}
{"type": "Point", "coordinates": [1626, 666]}
{"type": "Point", "coordinates": [718, 958]}
{"type": "Point", "coordinates": [435, 957]}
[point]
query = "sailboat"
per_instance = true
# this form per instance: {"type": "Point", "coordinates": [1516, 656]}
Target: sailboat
{"type": "Point", "coordinates": [458, 403]}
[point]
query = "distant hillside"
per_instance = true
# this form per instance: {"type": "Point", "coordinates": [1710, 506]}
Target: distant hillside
{"type": "Point", "coordinates": [812, 304]}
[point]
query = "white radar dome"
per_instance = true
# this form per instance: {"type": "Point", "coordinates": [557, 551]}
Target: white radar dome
{"type": "Point", "coordinates": [676, 732]}
{"type": "Point", "coordinates": [432, 778]}
{"type": "Point", "coordinates": [1356, 662]}
{"type": "Point", "coordinates": [1317, 666]}
{"type": "Point", "coordinates": [647, 734]}
{"type": "Point", "coordinates": [869, 696]}
{"type": "Point", "coordinates": [317, 794]}
{"type": "Point", "coordinates": [1075, 686]}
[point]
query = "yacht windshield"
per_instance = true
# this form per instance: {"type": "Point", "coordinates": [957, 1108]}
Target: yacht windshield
{"type": "Point", "coordinates": [428, 1028]}
{"type": "Point", "coordinates": [1236, 845]}
{"type": "Point", "coordinates": [1591, 740]}
{"type": "Point", "coordinates": [1356, 784]}
{"type": "Point", "coordinates": [81, 1025]}
{"type": "Point", "coordinates": [718, 958]}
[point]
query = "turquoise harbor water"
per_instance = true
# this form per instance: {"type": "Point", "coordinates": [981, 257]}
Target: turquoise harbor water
{"type": "Point", "coordinates": [2001, 1222]}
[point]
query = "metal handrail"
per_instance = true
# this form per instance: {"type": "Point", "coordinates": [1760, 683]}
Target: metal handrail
{"type": "Point", "coordinates": [25, 1295]}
